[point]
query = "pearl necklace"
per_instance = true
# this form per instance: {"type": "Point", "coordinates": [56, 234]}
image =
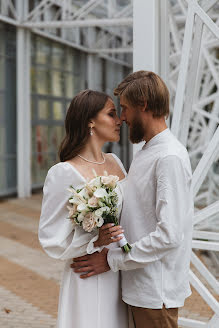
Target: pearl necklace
{"type": "Point", "coordinates": [87, 160]}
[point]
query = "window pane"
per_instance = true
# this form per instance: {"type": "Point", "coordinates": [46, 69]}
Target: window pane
{"type": "Point", "coordinates": [2, 175]}
{"type": "Point", "coordinates": [69, 84]}
{"type": "Point", "coordinates": [1, 108]}
{"type": "Point", "coordinates": [56, 136]}
{"type": "Point", "coordinates": [43, 109]}
{"type": "Point", "coordinates": [2, 140]}
{"type": "Point", "coordinates": [33, 114]}
{"type": "Point", "coordinates": [39, 156]}
{"type": "Point", "coordinates": [57, 83]}
{"type": "Point", "coordinates": [33, 79]}
{"type": "Point", "coordinates": [69, 60]}
{"type": "Point", "coordinates": [2, 73]}
{"type": "Point", "coordinates": [57, 56]}
{"type": "Point", "coordinates": [57, 111]}
{"type": "Point", "coordinates": [33, 132]}
{"type": "Point", "coordinates": [2, 39]}
{"type": "Point", "coordinates": [42, 51]}
{"type": "Point", "coordinates": [11, 172]}
{"type": "Point", "coordinates": [39, 168]}
{"type": "Point", "coordinates": [42, 82]}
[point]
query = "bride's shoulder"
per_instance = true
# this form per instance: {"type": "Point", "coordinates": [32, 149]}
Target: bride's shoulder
{"type": "Point", "coordinates": [113, 157]}
{"type": "Point", "coordinates": [59, 168]}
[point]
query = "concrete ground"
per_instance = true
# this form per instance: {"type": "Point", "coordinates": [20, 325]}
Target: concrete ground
{"type": "Point", "coordinates": [29, 279]}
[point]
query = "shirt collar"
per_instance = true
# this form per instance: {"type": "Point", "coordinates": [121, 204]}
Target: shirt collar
{"type": "Point", "coordinates": [157, 139]}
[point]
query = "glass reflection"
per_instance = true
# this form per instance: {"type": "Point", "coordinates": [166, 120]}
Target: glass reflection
{"type": "Point", "coordinates": [43, 109]}
{"type": "Point", "coordinates": [58, 111]}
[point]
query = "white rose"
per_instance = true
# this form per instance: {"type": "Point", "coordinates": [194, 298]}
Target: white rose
{"type": "Point", "coordinates": [99, 221]}
{"type": "Point", "coordinates": [110, 181]}
{"type": "Point", "coordinates": [99, 212]}
{"type": "Point", "coordinates": [82, 207]}
{"type": "Point", "coordinates": [93, 202]}
{"type": "Point", "coordinates": [89, 222]}
{"type": "Point", "coordinates": [100, 193]}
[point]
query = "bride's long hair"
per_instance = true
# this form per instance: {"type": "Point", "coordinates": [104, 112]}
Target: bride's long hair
{"type": "Point", "coordinates": [83, 108]}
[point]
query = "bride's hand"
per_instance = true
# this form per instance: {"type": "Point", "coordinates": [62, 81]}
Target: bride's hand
{"type": "Point", "coordinates": [108, 234]}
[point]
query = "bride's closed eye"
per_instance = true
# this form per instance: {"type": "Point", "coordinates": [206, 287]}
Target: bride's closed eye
{"type": "Point", "coordinates": [112, 113]}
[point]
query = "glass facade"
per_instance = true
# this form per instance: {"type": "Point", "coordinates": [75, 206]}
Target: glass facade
{"type": "Point", "coordinates": [57, 74]}
{"type": "Point", "coordinates": [8, 178]}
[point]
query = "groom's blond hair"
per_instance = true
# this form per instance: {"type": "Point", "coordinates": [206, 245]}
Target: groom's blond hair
{"type": "Point", "coordinates": [145, 88]}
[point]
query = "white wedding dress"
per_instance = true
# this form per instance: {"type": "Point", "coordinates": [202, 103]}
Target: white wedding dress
{"type": "Point", "coordinates": [94, 302]}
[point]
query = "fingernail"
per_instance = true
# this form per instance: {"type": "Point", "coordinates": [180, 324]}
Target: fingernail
{"type": "Point", "coordinates": [112, 224]}
{"type": "Point", "coordinates": [122, 230]}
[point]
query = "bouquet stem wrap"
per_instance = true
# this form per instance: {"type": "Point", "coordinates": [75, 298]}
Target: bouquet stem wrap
{"type": "Point", "coordinates": [124, 244]}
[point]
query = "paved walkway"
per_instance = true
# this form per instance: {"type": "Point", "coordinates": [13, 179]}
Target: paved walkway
{"type": "Point", "coordinates": [29, 279]}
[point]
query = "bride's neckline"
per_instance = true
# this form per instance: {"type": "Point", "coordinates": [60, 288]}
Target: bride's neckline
{"type": "Point", "coordinates": [82, 177]}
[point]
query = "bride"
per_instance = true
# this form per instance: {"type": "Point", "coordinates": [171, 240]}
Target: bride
{"type": "Point", "coordinates": [91, 121]}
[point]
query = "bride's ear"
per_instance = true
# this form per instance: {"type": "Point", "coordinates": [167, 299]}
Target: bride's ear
{"type": "Point", "coordinates": [91, 124]}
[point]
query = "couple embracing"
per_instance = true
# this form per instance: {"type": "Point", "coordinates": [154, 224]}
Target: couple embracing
{"type": "Point", "coordinates": [102, 286]}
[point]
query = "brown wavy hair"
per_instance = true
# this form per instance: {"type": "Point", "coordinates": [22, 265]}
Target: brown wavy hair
{"type": "Point", "coordinates": [83, 108]}
{"type": "Point", "coordinates": [145, 88]}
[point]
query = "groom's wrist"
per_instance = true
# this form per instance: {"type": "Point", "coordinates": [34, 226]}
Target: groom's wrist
{"type": "Point", "coordinates": [112, 259]}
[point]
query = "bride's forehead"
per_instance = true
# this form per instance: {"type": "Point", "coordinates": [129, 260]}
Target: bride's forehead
{"type": "Point", "coordinates": [109, 105]}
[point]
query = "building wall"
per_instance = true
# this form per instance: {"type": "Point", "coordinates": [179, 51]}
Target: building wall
{"type": "Point", "coordinates": [58, 73]}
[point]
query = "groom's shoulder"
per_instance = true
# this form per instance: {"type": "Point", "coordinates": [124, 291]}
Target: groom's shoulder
{"type": "Point", "coordinates": [173, 150]}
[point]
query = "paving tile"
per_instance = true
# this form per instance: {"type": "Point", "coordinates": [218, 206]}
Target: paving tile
{"type": "Point", "coordinates": [20, 221]}
{"type": "Point", "coordinates": [29, 239]}
{"type": "Point", "coordinates": [31, 259]}
{"type": "Point", "coordinates": [33, 288]}
{"type": "Point", "coordinates": [15, 312]}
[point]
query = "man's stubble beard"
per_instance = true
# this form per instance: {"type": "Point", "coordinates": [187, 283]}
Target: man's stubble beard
{"type": "Point", "coordinates": [137, 131]}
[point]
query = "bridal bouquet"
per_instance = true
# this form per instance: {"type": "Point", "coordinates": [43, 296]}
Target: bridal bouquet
{"type": "Point", "coordinates": [96, 204]}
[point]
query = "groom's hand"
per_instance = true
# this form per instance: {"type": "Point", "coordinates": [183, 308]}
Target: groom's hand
{"type": "Point", "coordinates": [91, 264]}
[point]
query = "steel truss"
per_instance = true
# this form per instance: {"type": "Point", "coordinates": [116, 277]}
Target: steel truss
{"type": "Point", "coordinates": [68, 21]}
{"type": "Point", "coordinates": [194, 84]}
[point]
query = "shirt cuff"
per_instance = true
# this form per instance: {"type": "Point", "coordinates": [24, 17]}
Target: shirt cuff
{"type": "Point", "coordinates": [115, 259]}
{"type": "Point", "coordinates": [91, 248]}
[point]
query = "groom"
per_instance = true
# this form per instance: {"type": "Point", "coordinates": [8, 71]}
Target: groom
{"type": "Point", "coordinates": [157, 211]}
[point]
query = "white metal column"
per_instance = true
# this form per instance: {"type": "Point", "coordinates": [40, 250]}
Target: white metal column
{"type": "Point", "coordinates": [23, 105]}
{"type": "Point", "coordinates": [150, 38]}
{"type": "Point", "coordinates": [91, 64]}
{"type": "Point", "coordinates": [146, 35]}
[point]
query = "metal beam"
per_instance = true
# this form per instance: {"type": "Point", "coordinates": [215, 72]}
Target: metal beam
{"type": "Point", "coordinates": [79, 23]}
{"type": "Point", "coordinates": [23, 106]}
{"type": "Point", "coordinates": [113, 50]}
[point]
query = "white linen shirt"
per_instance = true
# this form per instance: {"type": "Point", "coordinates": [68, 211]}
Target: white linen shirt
{"type": "Point", "coordinates": [157, 218]}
